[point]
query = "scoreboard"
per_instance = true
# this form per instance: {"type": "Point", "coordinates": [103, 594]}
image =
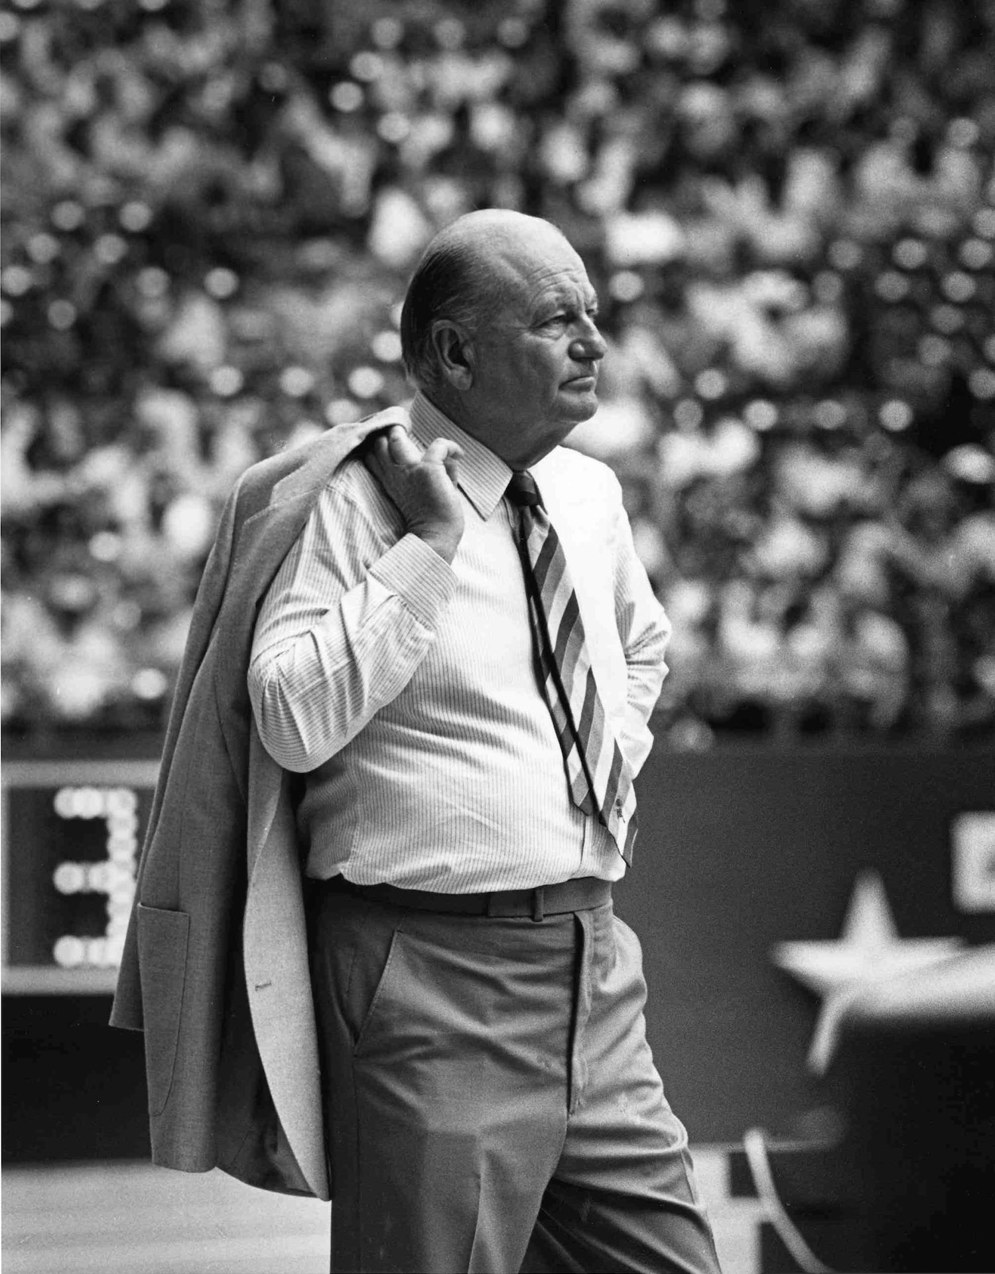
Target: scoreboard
{"type": "Point", "coordinates": [71, 834]}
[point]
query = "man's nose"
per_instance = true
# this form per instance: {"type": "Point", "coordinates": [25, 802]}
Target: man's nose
{"type": "Point", "coordinates": [588, 343]}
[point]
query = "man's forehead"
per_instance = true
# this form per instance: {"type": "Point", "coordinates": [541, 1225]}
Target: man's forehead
{"type": "Point", "coordinates": [529, 269]}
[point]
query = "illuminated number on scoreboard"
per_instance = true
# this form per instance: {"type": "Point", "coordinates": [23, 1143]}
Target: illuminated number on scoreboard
{"type": "Point", "coordinates": [113, 876]}
{"type": "Point", "coordinates": [72, 832]}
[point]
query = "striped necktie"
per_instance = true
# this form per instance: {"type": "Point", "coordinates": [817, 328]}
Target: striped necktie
{"type": "Point", "coordinates": [598, 775]}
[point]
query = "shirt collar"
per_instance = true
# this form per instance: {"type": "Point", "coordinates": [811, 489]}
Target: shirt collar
{"type": "Point", "coordinates": [544, 470]}
{"type": "Point", "coordinates": [483, 476]}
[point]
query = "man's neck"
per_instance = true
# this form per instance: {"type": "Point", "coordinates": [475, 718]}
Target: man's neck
{"type": "Point", "coordinates": [454, 407]}
{"type": "Point", "coordinates": [451, 405]}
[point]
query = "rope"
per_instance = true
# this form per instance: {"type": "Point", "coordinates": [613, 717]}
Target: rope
{"type": "Point", "coordinates": [755, 1145]}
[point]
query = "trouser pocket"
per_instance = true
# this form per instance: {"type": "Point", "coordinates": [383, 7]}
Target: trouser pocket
{"type": "Point", "coordinates": [352, 942]}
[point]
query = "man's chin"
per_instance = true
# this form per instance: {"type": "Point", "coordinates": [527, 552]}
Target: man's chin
{"type": "Point", "coordinates": [583, 407]}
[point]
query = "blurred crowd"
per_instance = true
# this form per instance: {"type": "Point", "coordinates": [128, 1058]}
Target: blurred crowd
{"type": "Point", "coordinates": [210, 210]}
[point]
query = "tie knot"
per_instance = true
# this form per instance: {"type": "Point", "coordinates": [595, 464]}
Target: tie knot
{"type": "Point", "coordinates": [522, 490]}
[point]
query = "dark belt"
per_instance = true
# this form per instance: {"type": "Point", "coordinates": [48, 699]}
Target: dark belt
{"type": "Point", "coordinates": [581, 894]}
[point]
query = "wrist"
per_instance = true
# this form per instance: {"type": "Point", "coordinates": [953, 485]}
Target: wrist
{"type": "Point", "coordinates": [442, 540]}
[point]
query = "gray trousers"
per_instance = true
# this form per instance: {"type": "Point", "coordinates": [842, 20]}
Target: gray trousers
{"type": "Point", "coordinates": [491, 1100]}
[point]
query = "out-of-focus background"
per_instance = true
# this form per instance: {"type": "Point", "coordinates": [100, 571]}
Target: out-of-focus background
{"type": "Point", "coordinates": [210, 212]}
{"type": "Point", "coordinates": [210, 209]}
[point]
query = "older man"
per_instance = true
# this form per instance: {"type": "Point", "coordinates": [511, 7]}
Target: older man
{"type": "Point", "coordinates": [459, 656]}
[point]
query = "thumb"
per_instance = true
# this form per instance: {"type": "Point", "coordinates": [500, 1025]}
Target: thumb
{"type": "Point", "coordinates": [401, 447]}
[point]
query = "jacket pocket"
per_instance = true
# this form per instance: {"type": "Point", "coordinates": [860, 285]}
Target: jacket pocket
{"type": "Point", "coordinates": [162, 963]}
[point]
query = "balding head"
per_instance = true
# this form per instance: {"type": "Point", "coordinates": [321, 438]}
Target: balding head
{"type": "Point", "coordinates": [496, 233]}
{"type": "Point", "coordinates": [461, 279]}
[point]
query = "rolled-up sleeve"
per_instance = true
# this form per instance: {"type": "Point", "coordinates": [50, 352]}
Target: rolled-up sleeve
{"type": "Point", "coordinates": [346, 622]}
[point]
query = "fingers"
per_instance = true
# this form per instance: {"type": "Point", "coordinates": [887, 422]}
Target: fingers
{"type": "Point", "coordinates": [444, 451]}
{"type": "Point", "coordinates": [422, 486]}
{"type": "Point", "coordinates": [447, 453]}
{"type": "Point", "coordinates": [399, 448]}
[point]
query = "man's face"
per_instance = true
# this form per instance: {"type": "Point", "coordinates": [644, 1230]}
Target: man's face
{"type": "Point", "coordinates": [536, 358]}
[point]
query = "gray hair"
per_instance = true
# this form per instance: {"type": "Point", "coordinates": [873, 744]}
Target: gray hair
{"type": "Point", "coordinates": [451, 282]}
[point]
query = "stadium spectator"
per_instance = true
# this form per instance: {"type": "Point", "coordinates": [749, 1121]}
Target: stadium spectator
{"type": "Point", "coordinates": [209, 212]}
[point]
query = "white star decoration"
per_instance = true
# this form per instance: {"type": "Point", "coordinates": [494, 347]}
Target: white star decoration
{"type": "Point", "coordinates": [868, 952]}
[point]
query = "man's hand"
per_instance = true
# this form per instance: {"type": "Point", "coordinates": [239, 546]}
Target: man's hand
{"type": "Point", "coordinates": [422, 485]}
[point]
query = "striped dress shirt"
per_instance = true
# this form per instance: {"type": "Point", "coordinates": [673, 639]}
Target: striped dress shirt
{"type": "Point", "coordinates": [404, 689]}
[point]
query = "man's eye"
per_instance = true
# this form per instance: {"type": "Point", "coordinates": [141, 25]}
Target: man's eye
{"type": "Point", "coordinates": [564, 319]}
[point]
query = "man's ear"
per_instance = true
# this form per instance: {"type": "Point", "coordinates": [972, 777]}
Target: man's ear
{"type": "Point", "coordinates": [454, 354]}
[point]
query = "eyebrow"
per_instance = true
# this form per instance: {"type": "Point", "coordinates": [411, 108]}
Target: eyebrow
{"type": "Point", "coordinates": [553, 304]}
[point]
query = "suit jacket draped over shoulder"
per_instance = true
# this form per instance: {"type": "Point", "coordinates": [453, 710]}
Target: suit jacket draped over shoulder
{"type": "Point", "coordinates": [215, 966]}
